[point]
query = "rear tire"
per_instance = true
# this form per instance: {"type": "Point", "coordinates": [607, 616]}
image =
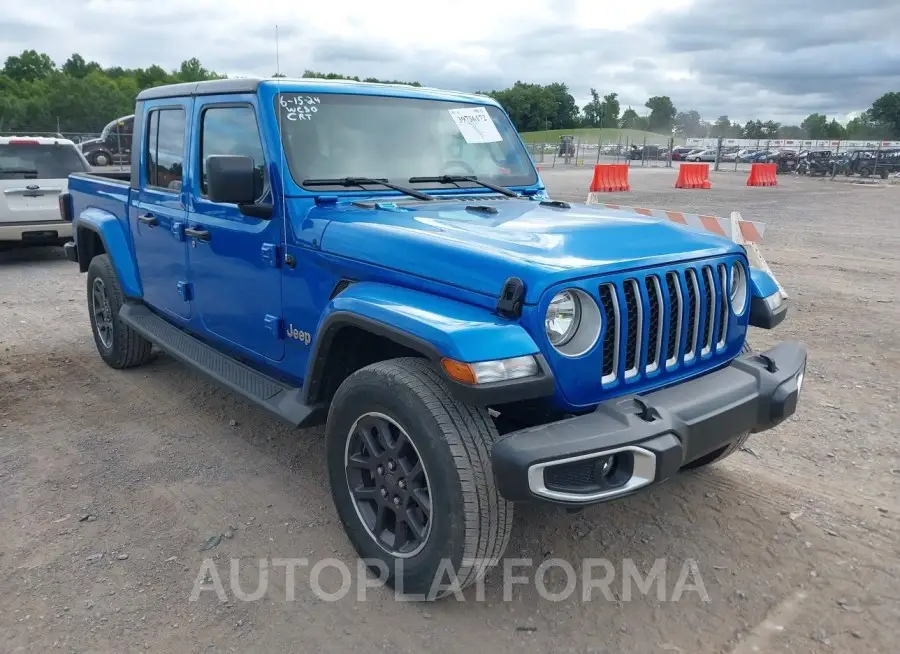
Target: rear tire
{"type": "Point", "coordinates": [457, 522]}
{"type": "Point", "coordinates": [119, 345]}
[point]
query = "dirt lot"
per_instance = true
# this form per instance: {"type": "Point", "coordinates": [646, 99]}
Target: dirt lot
{"type": "Point", "coordinates": [797, 539]}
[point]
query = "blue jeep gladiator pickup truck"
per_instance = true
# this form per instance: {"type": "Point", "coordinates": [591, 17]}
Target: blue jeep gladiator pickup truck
{"type": "Point", "coordinates": [386, 260]}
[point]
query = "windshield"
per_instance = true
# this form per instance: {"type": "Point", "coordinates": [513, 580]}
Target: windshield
{"type": "Point", "coordinates": [330, 136]}
{"type": "Point", "coordinates": [38, 161]}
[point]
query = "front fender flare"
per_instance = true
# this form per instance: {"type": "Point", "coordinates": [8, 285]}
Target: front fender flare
{"type": "Point", "coordinates": [435, 327]}
{"type": "Point", "coordinates": [767, 306]}
{"type": "Point", "coordinates": [116, 243]}
{"type": "Point", "coordinates": [762, 284]}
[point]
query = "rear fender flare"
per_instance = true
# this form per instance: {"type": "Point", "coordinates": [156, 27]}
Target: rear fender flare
{"type": "Point", "coordinates": [116, 243]}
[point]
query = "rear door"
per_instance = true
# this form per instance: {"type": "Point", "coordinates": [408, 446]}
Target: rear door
{"type": "Point", "coordinates": [234, 268]}
{"type": "Point", "coordinates": [157, 214]}
{"type": "Point", "coordinates": [32, 175]}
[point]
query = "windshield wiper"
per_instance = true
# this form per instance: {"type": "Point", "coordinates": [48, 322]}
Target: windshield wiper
{"type": "Point", "coordinates": [455, 179]}
{"type": "Point", "coordinates": [361, 181]}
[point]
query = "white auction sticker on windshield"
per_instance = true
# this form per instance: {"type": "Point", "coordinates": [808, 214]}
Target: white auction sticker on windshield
{"type": "Point", "coordinates": [475, 125]}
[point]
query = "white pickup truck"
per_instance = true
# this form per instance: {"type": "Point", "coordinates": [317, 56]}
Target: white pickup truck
{"type": "Point", "coordinates": [34, 171]}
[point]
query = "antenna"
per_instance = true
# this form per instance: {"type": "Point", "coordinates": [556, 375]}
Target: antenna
{"type": "Point", "coordinates": [280, 112]}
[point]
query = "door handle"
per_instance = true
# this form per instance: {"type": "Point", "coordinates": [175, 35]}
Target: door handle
{"type": "Point", "coordinates": [197, 233]}
{"type": "Point", "coordinates": [148, 219]}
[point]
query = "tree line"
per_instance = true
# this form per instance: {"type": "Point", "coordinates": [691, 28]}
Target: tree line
{"type": "Point", "coordinates": [534, 107]}
{"type": "Point", "coordinates": [82, 96]}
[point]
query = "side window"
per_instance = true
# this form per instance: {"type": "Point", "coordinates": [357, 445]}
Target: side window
{"type": "Point", "coordinates": [232, 130]}
{"type": "Point", "coordinates": [165, 149]}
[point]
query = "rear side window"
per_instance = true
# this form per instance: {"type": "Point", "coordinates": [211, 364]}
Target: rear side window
{"type": "Point", "coordinates": [165, 149]}
{"type": "Point", "coordinates": [232, 130]}
{"type": "Point", "coordinates": [38, 161]}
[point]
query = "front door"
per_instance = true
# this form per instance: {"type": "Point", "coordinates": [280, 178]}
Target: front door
{"type": "Point", "coordinates": [158, 214]}
{"type": "Point", "coordinates": [235, 260]}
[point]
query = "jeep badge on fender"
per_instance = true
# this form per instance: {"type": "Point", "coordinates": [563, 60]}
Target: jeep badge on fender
{"type": "Point", "coordinates": [301, 336]}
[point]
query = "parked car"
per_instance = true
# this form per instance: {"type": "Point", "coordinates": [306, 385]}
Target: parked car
{"type": "Point", "coordinates": [872, 161]}
{"type": "Point", "coordinates": [645, 152]}
{"type": "Point", "coordinates": [678, 154]}
{"type": "Point", "coordinates": [703, 155]}
{"type": "Point", "coordinates": [34, 171]}
{"type": "Point", "coordinates": [761, 156]}
{"type": "Point", "coordinates": [113, 146]}
{"type": "Point", "coordinates": [468, 342]}
{"type": "Point", "coordinates": [815, 162]}
{"type": "Point", "coordinates": [786, 161]}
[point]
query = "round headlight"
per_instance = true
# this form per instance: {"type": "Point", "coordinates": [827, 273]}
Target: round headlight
{"type": "Point", "coordinates": [737, 288]}
{"type": "Point", "coordinates": [563, 317]}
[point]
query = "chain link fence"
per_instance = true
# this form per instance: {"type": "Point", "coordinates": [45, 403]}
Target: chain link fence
{"type": "Point", "coordinates": [840, 158]}
{"type": "Point", "coordinates": [576, 151]}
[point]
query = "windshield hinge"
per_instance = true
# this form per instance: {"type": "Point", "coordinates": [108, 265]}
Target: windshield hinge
{"type": "Point", "coordinates": [270, 254]}
{"type": "Point", "coordinates": [512, 297]}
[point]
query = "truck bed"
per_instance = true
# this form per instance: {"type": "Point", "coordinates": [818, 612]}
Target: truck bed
{"type": "Point", "coordinates": [96, 191]}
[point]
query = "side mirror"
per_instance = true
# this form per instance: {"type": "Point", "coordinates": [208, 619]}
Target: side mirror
{"type": "Point", "coordinates": [230, 179]}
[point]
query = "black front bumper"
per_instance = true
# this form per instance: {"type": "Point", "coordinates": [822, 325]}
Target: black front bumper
{"type": "Point", "coordinates": [653, 435]}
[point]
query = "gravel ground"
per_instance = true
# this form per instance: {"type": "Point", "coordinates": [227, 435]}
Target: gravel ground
{"type": "Point", "coordinates": [111, 482]}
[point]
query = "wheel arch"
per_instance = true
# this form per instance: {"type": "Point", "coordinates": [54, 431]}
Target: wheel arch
{"type": "Point", "coordinates": [369, 322]}
{"type": "Point", "coordinates": [100, 232]}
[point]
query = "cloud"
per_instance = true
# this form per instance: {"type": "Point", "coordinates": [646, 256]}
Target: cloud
{"type": "Point", "coordinates": [780, 59]}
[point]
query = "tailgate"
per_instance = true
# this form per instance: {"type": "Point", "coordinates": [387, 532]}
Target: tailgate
{"type": "Point", "coordinates": [30, 200]}
{"type": "Point", "coordinates": [32, 175]}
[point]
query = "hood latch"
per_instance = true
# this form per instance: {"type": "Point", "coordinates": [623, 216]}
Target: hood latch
{"type": "Point", "coordinates": [512, 297]}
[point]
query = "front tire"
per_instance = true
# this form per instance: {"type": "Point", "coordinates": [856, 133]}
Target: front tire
{"type": "Point", "coordinates": [119, 345]}
{"type": "Point", "coordinates": [423, 500]}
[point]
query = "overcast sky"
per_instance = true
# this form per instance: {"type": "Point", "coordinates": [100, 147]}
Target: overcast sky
{"type": "Point", "coordinates": [780, 59]}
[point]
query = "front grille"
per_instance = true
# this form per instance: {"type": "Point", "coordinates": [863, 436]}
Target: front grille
{"type": "Point", "coordinates": [693, 323]}
{"type": "Point", "coordinates": [654, 331]}
{"type": "Point", "coordinates": [610, 338]}
{"type": "Point", "coordinates": [633, 323]}
{"type": "Point", "coordinates": [660, 320]}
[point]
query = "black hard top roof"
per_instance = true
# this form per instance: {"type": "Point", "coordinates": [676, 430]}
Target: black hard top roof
{"type": "Point", "coordinates": [211, 87]}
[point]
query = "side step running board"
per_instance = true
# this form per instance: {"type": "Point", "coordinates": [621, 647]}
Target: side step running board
{"type": "Point", "coordinates": [284, 401]}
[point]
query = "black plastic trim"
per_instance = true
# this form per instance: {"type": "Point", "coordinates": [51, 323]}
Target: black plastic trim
{"type": "Point", "coordinates": [83, 261]}
{"type": "Point", "coordinates": [71, 251]}
{"type": "Point", "coordinates": [679, 424]}
{"type": "Point", "coordinates": [512, 297]}
{"type": "Point", "coordinates": [482, 395]}
{"type": "Point", "coordinates": [763, 317]}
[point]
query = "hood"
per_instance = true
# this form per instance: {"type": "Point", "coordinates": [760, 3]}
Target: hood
{"type": "Point", "coordinates": [479, 251]}
{"type": "Point", "coordinates": [89, 142]}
